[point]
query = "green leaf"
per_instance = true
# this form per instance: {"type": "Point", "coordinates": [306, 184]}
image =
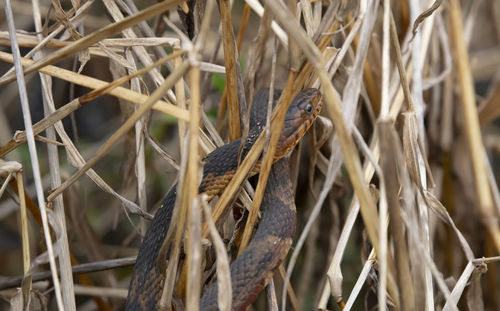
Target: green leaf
{"type": "Point", "coordinates": [219, 82]}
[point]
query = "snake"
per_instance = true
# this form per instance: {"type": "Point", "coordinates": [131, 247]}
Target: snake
{"type": "Point", "coordinates": [254, 267]}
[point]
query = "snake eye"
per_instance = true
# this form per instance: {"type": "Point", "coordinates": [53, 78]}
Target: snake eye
{"type": "Point", "coordinates": [309, 109]}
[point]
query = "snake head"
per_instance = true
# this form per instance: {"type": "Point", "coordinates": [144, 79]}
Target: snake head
{"type": "Point", "coordinates": [303, 110]}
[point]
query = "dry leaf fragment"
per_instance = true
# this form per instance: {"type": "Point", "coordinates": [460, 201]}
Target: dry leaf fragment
{"type": "Point", "coordinates": [410, 147]}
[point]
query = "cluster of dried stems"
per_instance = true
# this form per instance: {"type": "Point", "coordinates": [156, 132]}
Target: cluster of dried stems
{"type": "Point", "coordinates": [397, 78]}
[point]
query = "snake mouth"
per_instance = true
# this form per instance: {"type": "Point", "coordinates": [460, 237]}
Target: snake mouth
{"type": "Point", "coordinates": [298, 121]}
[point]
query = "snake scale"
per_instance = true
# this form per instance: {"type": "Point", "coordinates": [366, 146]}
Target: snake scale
{"type": "Point", "coordinates": [251, 271]}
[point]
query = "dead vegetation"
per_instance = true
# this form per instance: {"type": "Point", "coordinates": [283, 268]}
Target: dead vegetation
{"type": "Point", "coordinates": [412, 91]}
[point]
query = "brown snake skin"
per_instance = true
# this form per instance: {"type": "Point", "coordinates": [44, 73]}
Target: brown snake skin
{"type": "Point", "coordinates": [251, 271]}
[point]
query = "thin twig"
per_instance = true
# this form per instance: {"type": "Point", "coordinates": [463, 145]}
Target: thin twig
{"type": "Point", "coordinates": [93, 83]}
{"type": "Point", "coordinates": [32, 150]}
{"type": "Point", "coordinates": [472, 128]}
{"type": "Point", "coordinates": [169, 82]}
{"type": "Point", "coordinates": [95, 37]}
{"type": "Point", "coordinates": [76, 269]}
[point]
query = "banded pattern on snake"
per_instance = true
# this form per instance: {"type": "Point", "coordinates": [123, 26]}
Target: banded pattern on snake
{"type": "Point", "coordinates": [253, 268]}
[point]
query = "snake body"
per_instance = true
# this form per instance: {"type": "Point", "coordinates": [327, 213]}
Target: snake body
{"type": "Point", "coordinates": [253, 268]}
{"type": "Point", "coordinates": [271, 242]}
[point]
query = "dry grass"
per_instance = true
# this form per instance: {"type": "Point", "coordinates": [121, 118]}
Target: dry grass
{"type": "Point", "coordinates": [411, 88]}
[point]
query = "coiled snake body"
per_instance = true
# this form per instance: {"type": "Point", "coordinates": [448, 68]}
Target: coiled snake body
{"type": "Point", "coordinates": [271, 242]}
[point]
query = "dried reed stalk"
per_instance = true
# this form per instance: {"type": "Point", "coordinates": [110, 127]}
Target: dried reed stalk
{"type": "Point", "coordinates": [473, 130]}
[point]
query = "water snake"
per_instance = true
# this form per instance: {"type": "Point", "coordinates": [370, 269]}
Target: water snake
{"type": "Point", "coordinates": [271, 242]}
